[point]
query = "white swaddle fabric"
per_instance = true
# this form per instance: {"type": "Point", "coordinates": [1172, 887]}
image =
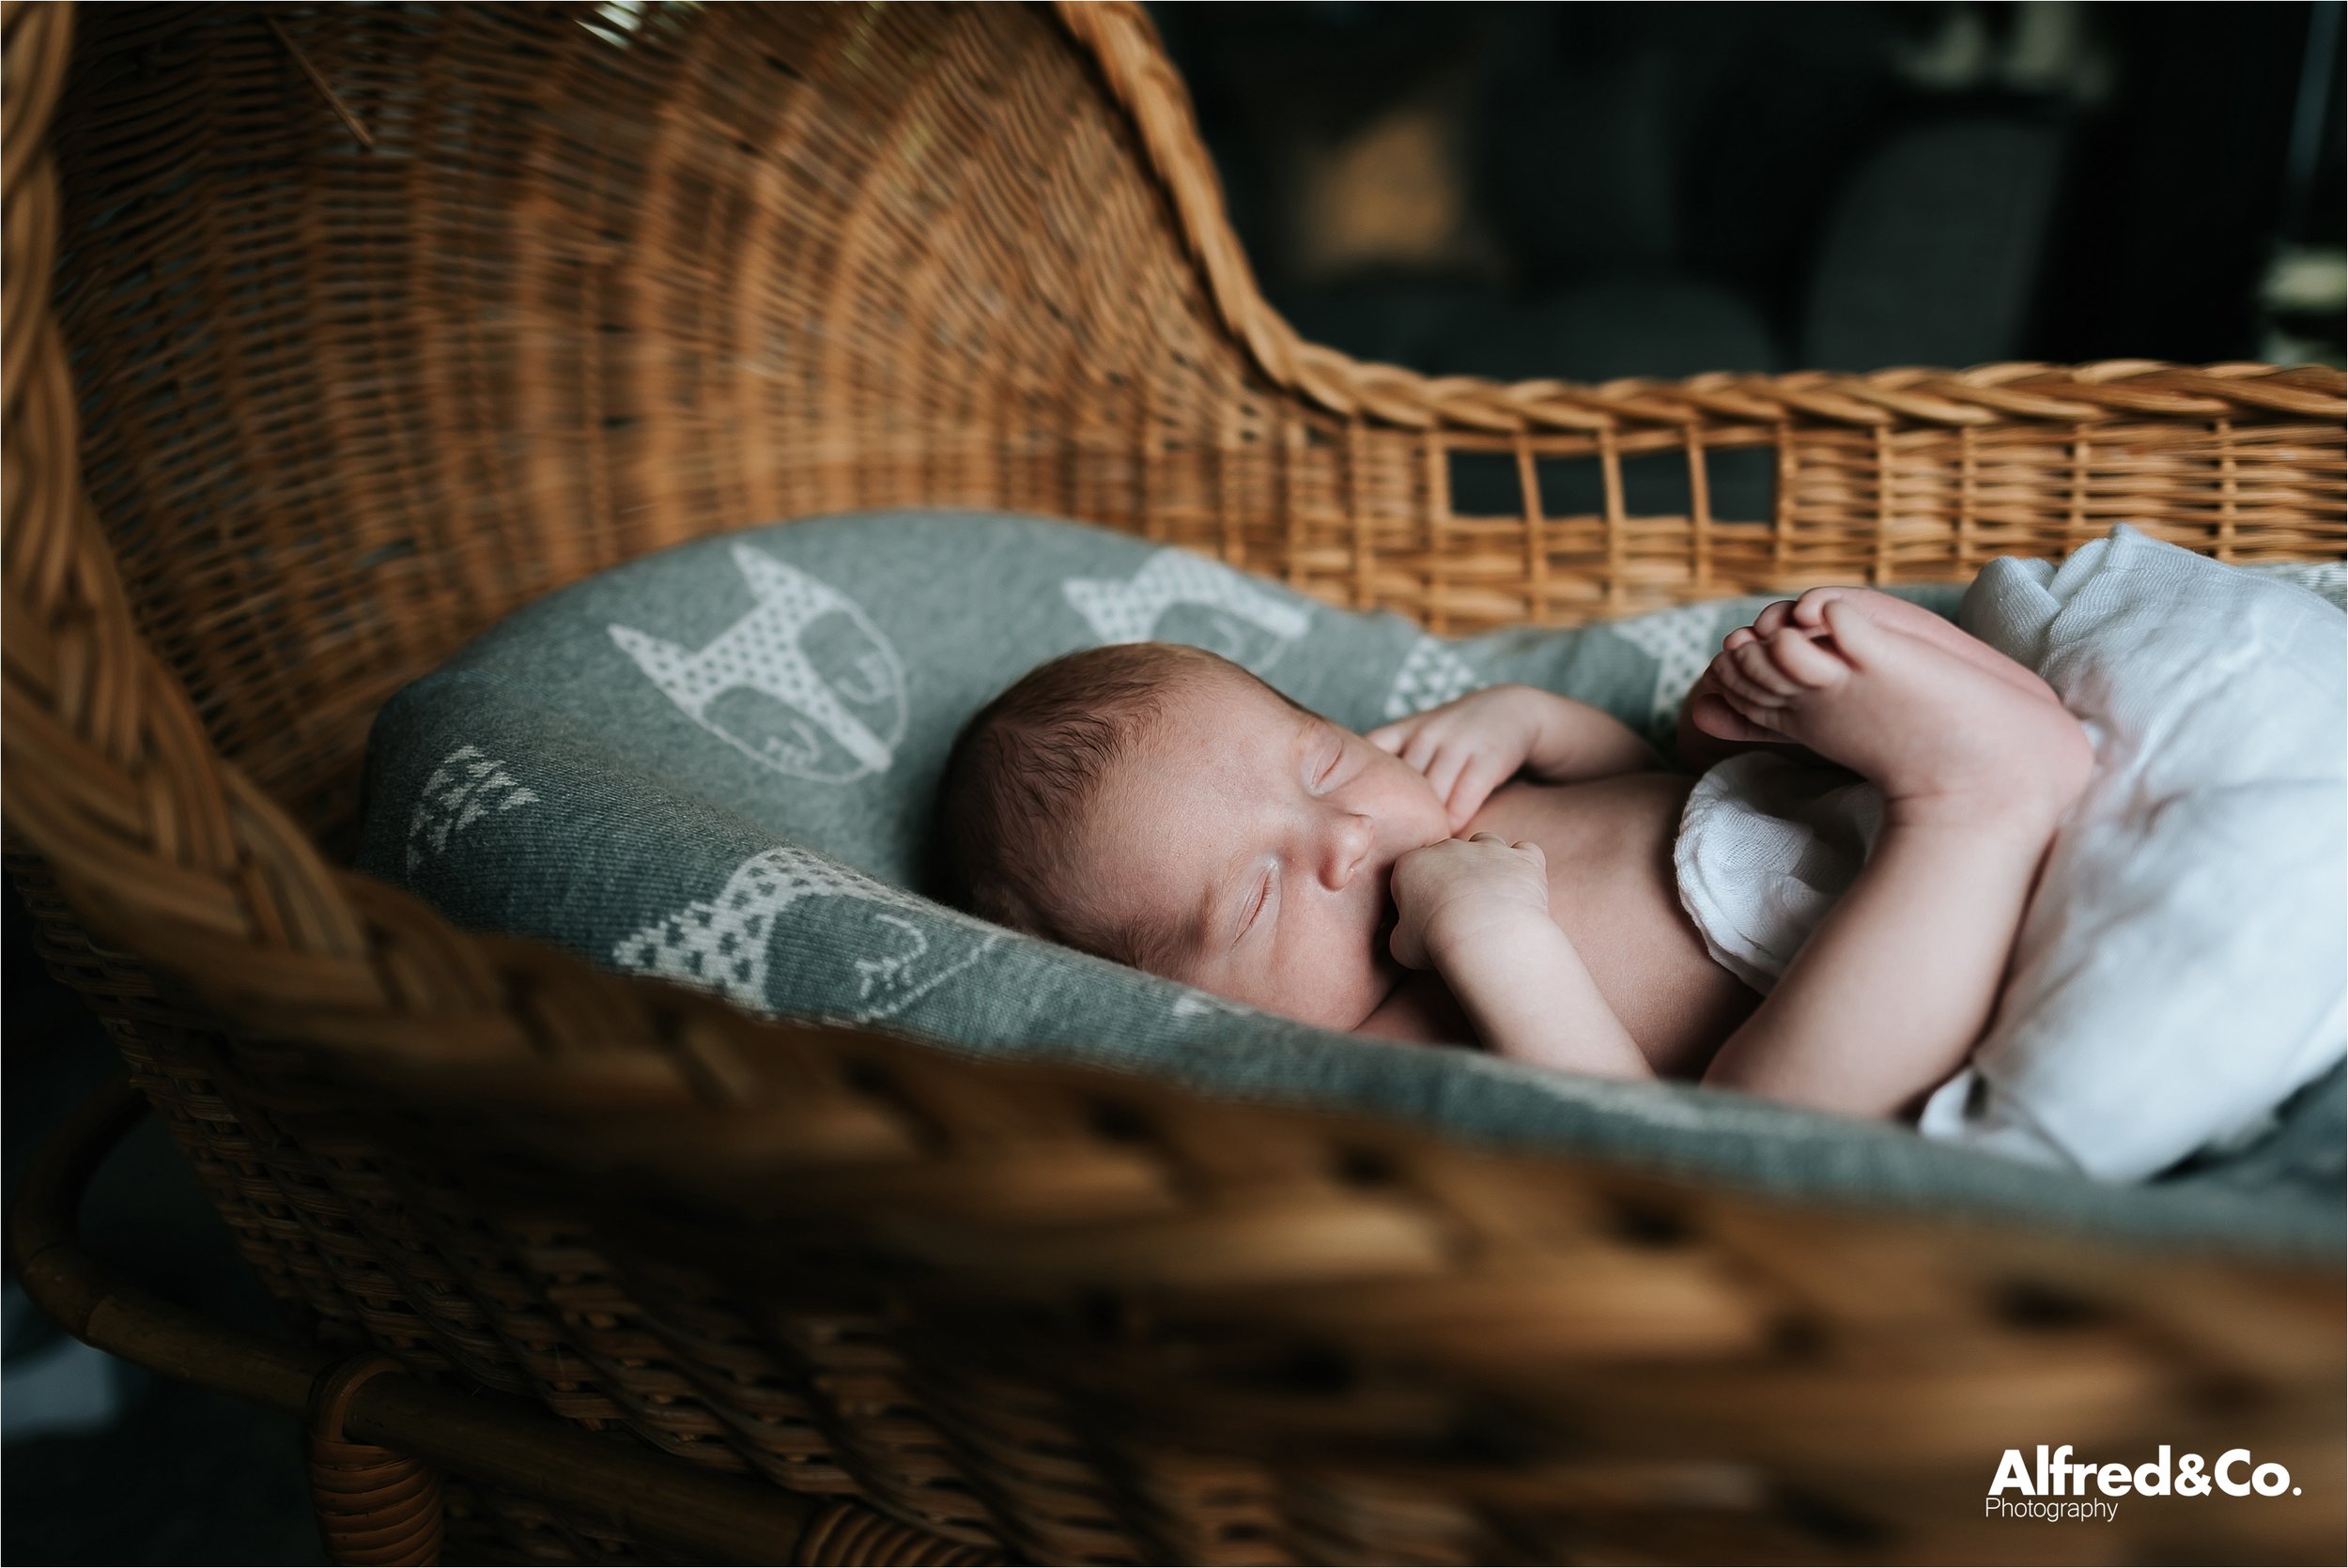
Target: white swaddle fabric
{"type": "Point", "coordinates": [2180, 971]}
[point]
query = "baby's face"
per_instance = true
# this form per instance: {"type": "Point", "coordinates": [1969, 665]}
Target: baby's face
{"type": "Point", "coordinates": [1267, 837]}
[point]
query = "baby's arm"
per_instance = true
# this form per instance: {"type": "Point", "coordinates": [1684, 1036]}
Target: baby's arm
{"type": "Point", "coordinates": [1476, 912]}
{"type": "Point", "coordinates": [1472, 745]}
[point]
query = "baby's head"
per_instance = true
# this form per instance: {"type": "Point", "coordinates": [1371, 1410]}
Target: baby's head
{"type": "Point", "coordinates": [1159, 806]}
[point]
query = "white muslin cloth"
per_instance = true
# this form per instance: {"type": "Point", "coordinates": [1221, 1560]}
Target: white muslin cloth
{"type": "Point", "coordinates": [2182, 966]}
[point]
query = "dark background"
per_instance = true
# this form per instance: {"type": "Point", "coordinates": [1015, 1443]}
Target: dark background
{"type": "Point", "coordinates": [1665, 190]}
{"type": "Point", "coordinates": [1583, 192]}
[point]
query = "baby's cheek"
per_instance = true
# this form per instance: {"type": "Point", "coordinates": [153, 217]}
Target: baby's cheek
{"type": "Point", "coordinates": [1365, 973]}
{"type": "Point", "coordinates": [1430, 823]}
{"type": "Point", "coordinates": [1419, 791]}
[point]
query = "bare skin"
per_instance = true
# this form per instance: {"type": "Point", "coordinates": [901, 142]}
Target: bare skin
{"type": "Point", "coordinates": [1287, 830]}
{"type": "Point", "coordinates": [1328, 885]}
{"type": "Point", "coordinates": [1977, 760]}
{"type": "Point", "coordinates": [1606, 843]}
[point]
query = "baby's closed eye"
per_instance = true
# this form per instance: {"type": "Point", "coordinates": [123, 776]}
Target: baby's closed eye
{"type": "Point", "coordinates": [1326, 757]}
{"type": "Point", "coordinates": [1259, 903]}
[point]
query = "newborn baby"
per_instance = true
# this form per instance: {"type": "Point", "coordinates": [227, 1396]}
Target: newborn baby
{"type": "Point", "coordinates": [1500, 869]}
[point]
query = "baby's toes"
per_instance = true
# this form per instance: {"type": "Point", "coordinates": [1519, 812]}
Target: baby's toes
{"type": "Point", "coordinates": [1809, 610]}
{"type": "Point", "coordinates": [1805, 660]}
{"type": "Point", "coordinates": [1740, 692]}
{"type": "Point", "coordinates": [1772, 618]}
{"type": "Point", "coordinates": [1861, 640]}
{"type": "Point", "coordinates": [1758, 666]}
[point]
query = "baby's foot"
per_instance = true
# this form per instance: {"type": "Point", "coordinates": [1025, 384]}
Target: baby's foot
{"type": "Point", "coordinates": [1901, 615]}
{"type": "Point", "coordinates": [1946, 736]}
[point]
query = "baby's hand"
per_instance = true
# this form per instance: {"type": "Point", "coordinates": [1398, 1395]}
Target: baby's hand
{"type": "Point", "coordinates": [1469, 746]}
{"type": "Point", "coordinates": [1453, 892]}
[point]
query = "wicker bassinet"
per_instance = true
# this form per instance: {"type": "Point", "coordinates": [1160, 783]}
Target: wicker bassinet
{"type": "Point", "coordinates": [333, 335]}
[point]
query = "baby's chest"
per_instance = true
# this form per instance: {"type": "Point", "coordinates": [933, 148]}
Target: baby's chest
{"type": "Point", "coordinates": [1608, 843]}
{"type": "Point", "coordinates": [1614, 892]}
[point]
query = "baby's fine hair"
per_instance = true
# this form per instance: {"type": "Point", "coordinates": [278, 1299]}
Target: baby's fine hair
{"type": "Point", "coordinates": [1024, 770]}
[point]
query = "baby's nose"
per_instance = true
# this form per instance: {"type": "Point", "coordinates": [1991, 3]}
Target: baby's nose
{"type": "Point", "coordinates": [1347, 848]}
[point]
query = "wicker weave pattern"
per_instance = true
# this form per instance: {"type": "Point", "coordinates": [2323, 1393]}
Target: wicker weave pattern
{"type": "Point", "coordinates": [338, 410]}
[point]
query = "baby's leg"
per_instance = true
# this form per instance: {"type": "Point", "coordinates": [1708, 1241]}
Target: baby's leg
{"type": "Point", "coordinates": [1900, 980]}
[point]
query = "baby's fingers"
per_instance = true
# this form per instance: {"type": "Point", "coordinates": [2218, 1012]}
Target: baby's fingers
{"type": "Point", "coordinates": [1423, 748]}
{"type": "Point", "coordinates": [1475, 784]}
{"type": "Point", "coordinates": [1446, 768]}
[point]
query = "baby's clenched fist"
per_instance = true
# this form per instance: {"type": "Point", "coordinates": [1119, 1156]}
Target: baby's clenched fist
{"type": "Point", "coordinates": [1462, 890]}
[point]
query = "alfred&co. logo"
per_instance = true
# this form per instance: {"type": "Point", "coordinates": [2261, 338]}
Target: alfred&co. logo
{"type": "Point", "coordinates": [2058, 1488]}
